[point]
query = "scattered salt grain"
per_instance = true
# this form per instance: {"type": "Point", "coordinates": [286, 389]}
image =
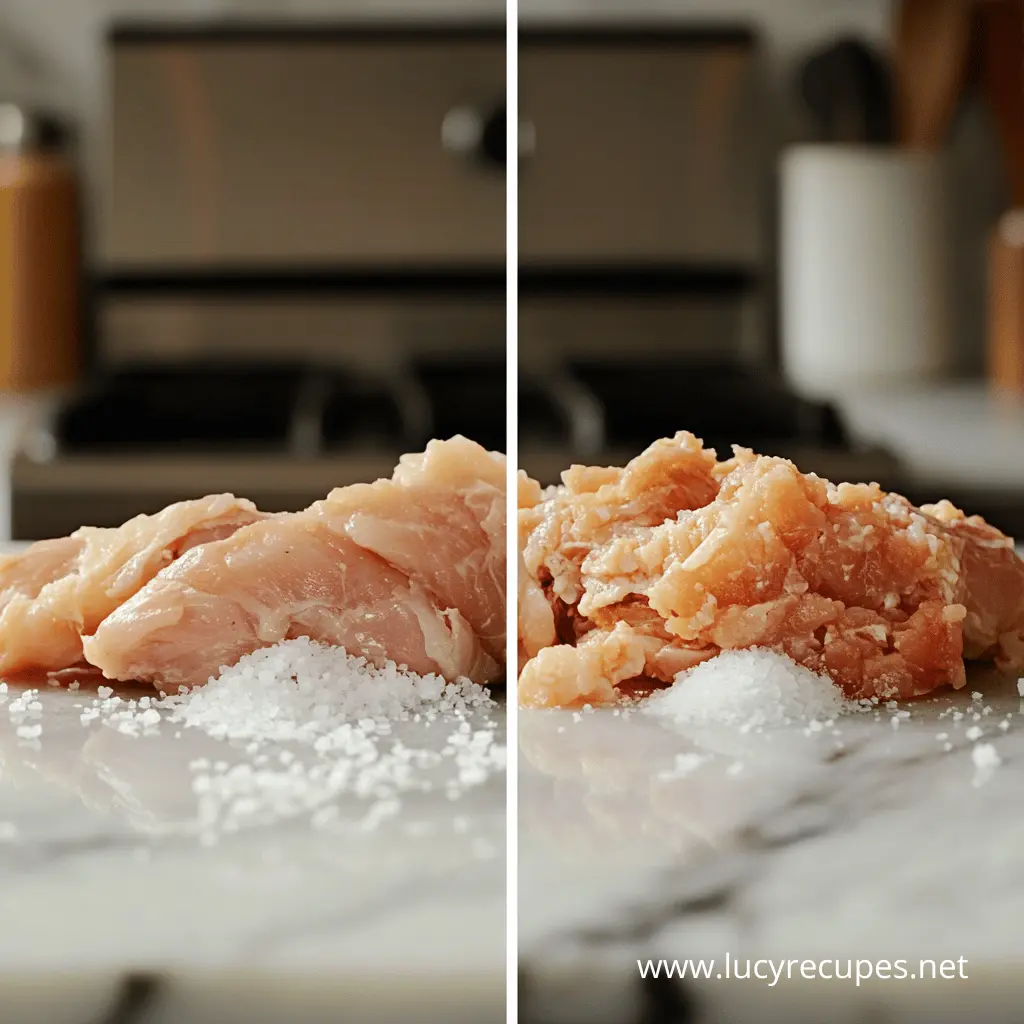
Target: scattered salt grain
{"type": "Point", "coordinates": [336, 713]}
{"type": "Point", "coordinates": [986, 760]}
{"type": "Point", "coordinates": [29, 732]}
{"type": "Point", "coordinates": [685, 764]}
{"type": "Point", "coordinates": [755, 687]}
{"type": "Point", "coordinates": [1004, 724]}
{"type": "Point", "coordinates": [974, 733]}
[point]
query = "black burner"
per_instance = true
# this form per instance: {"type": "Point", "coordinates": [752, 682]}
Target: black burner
{"type": "Point", "coordinates": [466, 397]}
{"type": "Point", "coordinates": [200, 406]}
{"type": "Point", "coordinates": [361, 412]}
{"type": "Point", "coordinates": [721, 402]}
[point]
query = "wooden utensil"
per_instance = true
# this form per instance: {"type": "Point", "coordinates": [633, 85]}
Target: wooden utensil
{"type": "Point", "coordinates": [846, 89]}
{"type": "Point", "coordinates": [1002, 79]}
{"type": "Point", "coordinates": [930, 48]}
{"type": "Point", "coordinates": [39, 256]}
{"type": "Point", "coordinates": [1006, 305]}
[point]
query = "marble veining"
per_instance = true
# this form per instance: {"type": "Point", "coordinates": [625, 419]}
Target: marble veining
{"type": "Point", "coordinates": [104, 871]}
{"type": "Point", "coordinates": [874, 840]}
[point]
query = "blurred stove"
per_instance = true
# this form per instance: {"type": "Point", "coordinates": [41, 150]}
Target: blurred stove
{"type": "Point", "coordinates": [282, 434]}
{"type": "Point", "coordinates": [645, 291]}
{"type": "Point", "coordinates": [605, 412]}
{"type": "Point", "coordinates": [302, 267]}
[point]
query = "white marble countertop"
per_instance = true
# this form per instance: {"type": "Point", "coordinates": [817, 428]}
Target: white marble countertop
{"type": "Point", "coordinates": [103, 874]}
{"type": "Point", "coordinates": [872, 842]}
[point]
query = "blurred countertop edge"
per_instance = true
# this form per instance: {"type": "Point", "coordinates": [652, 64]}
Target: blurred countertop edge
{"type": "Point", "coordinates": [230, 996]}
{"type": "Point", "coordinates": [19, 415]}
{"type": "Point", "coordinates": [955, 434]}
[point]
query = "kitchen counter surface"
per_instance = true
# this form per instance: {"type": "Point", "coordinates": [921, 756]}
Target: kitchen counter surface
{"type": "Point", "coordinates": [955, 434]}
{"type": "Point", "coordinates": [116, 883]}
{"type": "Point", "coordinates": [871, 841]}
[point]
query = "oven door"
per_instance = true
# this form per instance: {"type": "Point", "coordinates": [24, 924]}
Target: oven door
{"type": "Point", "coordinates": [317, 146]}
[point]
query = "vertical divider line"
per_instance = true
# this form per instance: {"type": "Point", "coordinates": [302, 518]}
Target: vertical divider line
{"type": "Point", "coordinates": [512, 545]}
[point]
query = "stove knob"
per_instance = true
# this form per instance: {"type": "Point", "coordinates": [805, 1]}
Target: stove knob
{"type": "Point", "coordinates": [476, 134]}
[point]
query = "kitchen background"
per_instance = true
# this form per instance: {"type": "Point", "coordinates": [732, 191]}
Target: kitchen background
{"type": "Point", "coordinates": [771, 224]}
{"type": "Point", "coordinates": [294, 241]}
{"type": "Point", "coordinates": [658, 260]}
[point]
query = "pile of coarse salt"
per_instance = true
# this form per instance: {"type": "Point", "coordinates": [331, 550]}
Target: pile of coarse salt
{"type": "Point", "coordinates": [750, 689]}
{"type": "Point", "coordinates": [302, 691]}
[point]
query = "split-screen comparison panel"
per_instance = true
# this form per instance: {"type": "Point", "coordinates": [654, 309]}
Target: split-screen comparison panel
{"type": "Point", "coordinates": [507, 513]}
{"type": "Point", "coordinates": [768, 647]}
{"type": "Point", "coordinates": [253, 611]}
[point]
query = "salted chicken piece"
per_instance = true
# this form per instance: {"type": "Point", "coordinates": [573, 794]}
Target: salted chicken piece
{"type": "Point", "coordinates": [59, 589]}
{"type": "Point", "coordinates": [536, 617]}
{"type": "Point", "coordinates": [587, 673]}
{"type": "Point", "coordinates": [593, 508]}
{"type": "Point", "coordinates": [846, 580]}
{"type": "Point", "coordinates": [409, 569]}
{"type": "Point", "coordinates": [990, 586]}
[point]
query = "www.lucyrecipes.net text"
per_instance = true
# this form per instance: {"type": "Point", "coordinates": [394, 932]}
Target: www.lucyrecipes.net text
{"type": "Point", "coordinates": [773, 971]}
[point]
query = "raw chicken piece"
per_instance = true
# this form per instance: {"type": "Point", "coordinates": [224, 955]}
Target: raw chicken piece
{"type": "Point", "coordinates": [440, 520]}
{"type": "Point", "coordinates": [25, 574]}
{"type": "Point", "coordinates": [844, 579]}
{"type": "Point", "coordinates": [59, 589]}
{"type": "Point", "coordinates": [407, 569]}
{"type": "Point", "coordinates": [274, 581]}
